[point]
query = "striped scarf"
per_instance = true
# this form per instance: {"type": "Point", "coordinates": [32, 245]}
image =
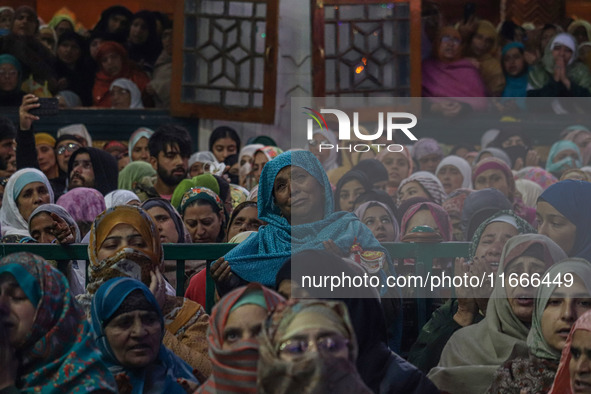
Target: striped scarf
{"type": "Point", "coordinates": [234, 371]}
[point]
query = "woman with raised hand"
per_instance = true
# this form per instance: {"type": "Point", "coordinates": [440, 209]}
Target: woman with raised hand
{"type": "Point", "coordinates": [128, 327]}
{"type": "Point", "coordinates": [559, 74]}
{"type": "Point", "coordinates": [45, 339]}
{"type": "Point", "coordinates": [124, 243]}
{"type": "Point", "coordinates": [52, 224]}
{"type": "Point", "coordinates": [473, 354]}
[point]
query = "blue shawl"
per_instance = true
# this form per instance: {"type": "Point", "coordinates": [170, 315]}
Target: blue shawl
{"type": "Point", "coordinates": [106, 301]}
{"type": "Point", "coordinates": [261, 255]}
{"type": "Point", "coordinates": [571, 199]}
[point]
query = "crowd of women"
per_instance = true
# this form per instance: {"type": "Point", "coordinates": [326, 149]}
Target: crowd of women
{"type": "Point", "coordinates": [303, 211]}
{"type": "Point", "coordinates": [116, 323]}
{"type": "Point", "coordinates": [125, 61]}
{"type": "Point", "coordinates": [474, 60]}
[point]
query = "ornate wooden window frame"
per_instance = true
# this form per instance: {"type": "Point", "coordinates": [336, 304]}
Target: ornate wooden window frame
{"type": "Point", "coordinates": [318, 41]}
{"type": "Point", "coordinates": [263, 114]}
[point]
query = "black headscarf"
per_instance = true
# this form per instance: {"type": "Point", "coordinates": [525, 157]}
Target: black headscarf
{"type": "Point", "coordinates": [349, 176]}
{"type": "Point", "coordinates": [104, 165]}
{"type": "Point", "coordinates": [148, 52]}
{"type": "Point", "coordinates": [103, 23]}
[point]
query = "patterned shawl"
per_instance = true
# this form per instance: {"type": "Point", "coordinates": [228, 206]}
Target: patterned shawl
{"type": "Point", "coordinates": [234, 371]}
{"type": "Point", "coordinates": [59, 354]}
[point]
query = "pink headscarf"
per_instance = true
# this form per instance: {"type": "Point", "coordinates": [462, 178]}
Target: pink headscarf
{"type": "Point", "coordinates": [561, 383]}
{"type": "Point", "coordinates": [83, 203]}
{"type": "Point", "coordinates": [441, 218]}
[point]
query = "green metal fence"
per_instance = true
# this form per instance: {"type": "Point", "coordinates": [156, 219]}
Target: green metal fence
{"type": "Point", "coordinates": [423, 253]}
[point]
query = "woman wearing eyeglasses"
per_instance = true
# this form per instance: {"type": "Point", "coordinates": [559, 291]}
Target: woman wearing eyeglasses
{"type": "Point", "coordinates": [309, 346]}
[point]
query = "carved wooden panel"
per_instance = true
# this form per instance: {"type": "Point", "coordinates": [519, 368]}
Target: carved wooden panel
{"type": "Point", "coordinates": [362, 48]}
{"type": "Point", "coordinates": [539, 12]}
{"type": "Point", "coordinates": [224, 66]}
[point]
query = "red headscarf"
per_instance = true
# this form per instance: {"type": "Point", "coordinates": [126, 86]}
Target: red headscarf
{"type": "Point", "coordinates": [234, 370]}
{"type": "Point", "coordinates": [102, 83]}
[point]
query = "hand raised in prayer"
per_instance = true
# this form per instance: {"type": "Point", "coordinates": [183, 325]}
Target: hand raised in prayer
{"type": "Point", "coordinates": [560, 72]}
{"type": "Point", "coordinates": [30, 101]}
{"type": "Point", "coordinates": [61, 230]}
{"type": "Point", "coordinates": [8, 359]}
{"type": "Point", "coordinates": [466, 303]}
{"type": "Point", "coordinates": [158, 287]}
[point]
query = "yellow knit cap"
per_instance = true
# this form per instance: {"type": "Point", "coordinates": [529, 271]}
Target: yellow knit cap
{"type": "Point", "coordinates": [44, 139]}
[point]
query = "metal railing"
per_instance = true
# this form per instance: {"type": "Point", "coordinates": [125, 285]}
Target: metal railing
{"type": "Point", "coordinates": [423, 253]}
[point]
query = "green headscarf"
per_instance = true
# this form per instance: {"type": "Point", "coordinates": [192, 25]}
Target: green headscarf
{"type": "Point", "coordinates": [541, 73]}
{"type": "Point", "coordinates": [134, 172]}
{"type": "Point", "coordinates": [523, 227]}
{"type": "Point", "coordinates": [203, 180]}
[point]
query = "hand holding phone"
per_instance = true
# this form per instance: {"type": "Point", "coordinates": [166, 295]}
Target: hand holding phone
{"type": "Point", "coordinates": [47, 107]}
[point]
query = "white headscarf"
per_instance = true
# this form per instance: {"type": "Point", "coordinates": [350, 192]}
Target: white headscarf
{"type": "Point", "coordinates": [11, 220]}
{"type": "Point", "coordinates": [568, 41]}
{"type": "Point", "coordinates": [136, 95]}
{"type": "Point", "coordinates": [204, 156]}
{"type": "Point", "coordinates": [120, 197]}
{"type": "Point", "coordinates": [76, 129]}
{"type": "Point", "coordinates": [142, 132]}
{"type": "Point", "coordinates": [249, 150]}
{"type": "Point", "coordinates": [462, 165]}
{"type": "Point", "coordinates": [331, 162]}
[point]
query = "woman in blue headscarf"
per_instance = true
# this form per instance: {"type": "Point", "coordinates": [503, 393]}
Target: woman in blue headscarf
{"type": "Point", "coordinates": [295, 199]}
{"type": "Point", "coordinates": [563, 156]}
{"type": "Point", "coordinates": [141, 362]}
{"type": "Point", "coordinates": [563, 214]}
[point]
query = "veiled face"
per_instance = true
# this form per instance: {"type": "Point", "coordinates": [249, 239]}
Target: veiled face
{"type": "Point", "coordinates": [122, 236]}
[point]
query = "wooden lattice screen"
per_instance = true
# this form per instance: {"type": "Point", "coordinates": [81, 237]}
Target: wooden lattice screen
{"type": "Point", "coordinates": [225, 64]}
{"type": "Point", "coordinates": [363, 48]}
